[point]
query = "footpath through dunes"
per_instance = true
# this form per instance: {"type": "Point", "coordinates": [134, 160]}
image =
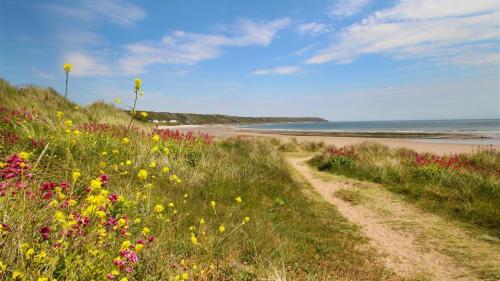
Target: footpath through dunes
{"type": "Point", "coordinates": [415, 243]}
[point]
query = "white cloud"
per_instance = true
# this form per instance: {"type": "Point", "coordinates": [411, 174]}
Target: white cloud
{"type": "Point", "coordinates": [283, 70]}
{"type": "Point", "coordinates": [347, 8]}
{"type": "Point", "coordinates": [115, 11]}
{"type": "Point", "coordinates": [437, 29]}
{"type": "Point", "coordinates": [86, 65]}
{"type": "Point", "coordinates": [313, 28]}
{"type": "Point", "coordinates": [181, 47]}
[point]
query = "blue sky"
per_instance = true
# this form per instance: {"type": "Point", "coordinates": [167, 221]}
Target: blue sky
{"type": "Point", "coordinates": [341, 60]}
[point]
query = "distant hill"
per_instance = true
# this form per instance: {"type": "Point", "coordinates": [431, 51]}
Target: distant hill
{"type": "Point", "coordinates": [192, 118]}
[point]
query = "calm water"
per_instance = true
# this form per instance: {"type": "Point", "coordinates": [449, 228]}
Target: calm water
{"type": "Point", "coordinates": [484, 127]}
{"type": "Point", "coordinates": [444, 126]}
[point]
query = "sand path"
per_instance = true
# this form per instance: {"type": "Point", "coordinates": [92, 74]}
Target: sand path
{"type": "Point", "coordinates": [412, 241]}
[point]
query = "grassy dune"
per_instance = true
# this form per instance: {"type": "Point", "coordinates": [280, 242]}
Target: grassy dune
{"type": "Point", "coordinates": [193, 118]}
{"type": "Point", "coordinates": [83, 199]}
{"type": "Point", "coordinates": [464, 186]}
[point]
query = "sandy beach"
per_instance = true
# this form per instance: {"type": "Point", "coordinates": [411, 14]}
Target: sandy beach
{"type": "Point", "coordinates": [419, 145]}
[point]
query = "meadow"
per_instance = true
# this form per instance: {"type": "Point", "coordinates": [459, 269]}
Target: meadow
{"type": "Point", "coordinates": [463, 186]}
{"type": "Point", "coordinates": [87, 193]}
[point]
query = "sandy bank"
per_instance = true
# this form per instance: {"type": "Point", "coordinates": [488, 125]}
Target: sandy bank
{"type": "Point", "coordinates": [419, 145]}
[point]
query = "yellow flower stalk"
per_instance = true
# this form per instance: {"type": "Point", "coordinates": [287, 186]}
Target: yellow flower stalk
{"type": "Point", "coordinates": [67, 67]}
{"type": "Point", "coordinates": [137, 88]}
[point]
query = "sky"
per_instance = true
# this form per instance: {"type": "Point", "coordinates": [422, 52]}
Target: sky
{"type": "Point", "coordinates": [340, 60]}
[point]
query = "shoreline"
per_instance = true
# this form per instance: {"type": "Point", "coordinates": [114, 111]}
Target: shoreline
{"type": "Point", "coordinates": [440, 146]}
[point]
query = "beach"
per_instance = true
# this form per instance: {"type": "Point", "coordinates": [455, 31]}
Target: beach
{"type": "Point", "coordinates": [421, 145]}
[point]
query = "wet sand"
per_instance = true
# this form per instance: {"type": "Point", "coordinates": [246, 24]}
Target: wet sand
{"type": "Point", "coordinates": [419, 145]}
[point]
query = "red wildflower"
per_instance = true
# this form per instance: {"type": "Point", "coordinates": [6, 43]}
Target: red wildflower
{"type": "Point", "coordinates": [45, 232]}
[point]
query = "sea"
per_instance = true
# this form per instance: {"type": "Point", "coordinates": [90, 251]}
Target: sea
{"type": "Point", "coordinates": [489, 129]}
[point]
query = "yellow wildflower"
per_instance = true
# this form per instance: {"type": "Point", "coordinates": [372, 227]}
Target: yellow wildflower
{"type": "Point", "coordinates": [124, 279]}
{"type": "Point", "coordinates": [138, 84]}
{"type": "Point", "coordinates": [29, 253]}
{"type": "Point", "coordinates": [165, 170]}
{"type": "Point", "coordinates": [213, 204]}
{"type": "Point", "coordinates": [2, 267]}
{"type": "Point", "coordinates": [126, 244]}
{"type": "Point", "coordinates": [68, 123]}
{"type": "Point", "coordinates": [144, 114]}
{"type": "Point", "coordinates": [246, 220]}
{"type": "Point", "coordinates": [59, 114]}
{"type": "Point", "coordinates": [184, 276]}
{"type": "Point", "coordinates": [76, 175]}
{"type": "Point", "coordinates": [175, 179]}
{"type": "Point", "coordinates": [67, 67]}
{"type": "Point", "coordinates": [202, 221]}
{"type": "Point", "coordinates": [145, 231]}
{"type": "Point", "coordinates": [137, 221]}
{"type": "Point", "coordinates": [171, 204]}
{"type": "Point", "coordinates": [159, 208]}
{"type": "Point", "coordinates": [152, 164]}
{"type": "Point", "coordinates": [222, 228]}
{"type": "Point", "coordinates": [95, 184]}
{"type": "Point", "coordinates": [238, 200]}
{"type": "Point", "coordinates": [138, 247]}
{"type": "Point", "coordinates": [194, 240]}
{"type": "Point", "coordinates": [155, 137]}
{"type": "Point", "coordinates": [128, 162]}
{"type": "Point", "coordinates": [125, 140]}
{"type": "Point", "coordinates": [77, 132]}
{"type": "Point", "coordinates": [17, 275]}
{"type": "Point", "coordinates": [24, 155]}
{"type": "Point", "coordinates": [121, 222]}
{"type": "Point", "coordinates": [142, 174]}
{"type": "Point", "coordinates": [115, 151]}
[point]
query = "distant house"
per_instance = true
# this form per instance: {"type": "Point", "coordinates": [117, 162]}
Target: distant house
{"type": "Point", "coordinates": [172, 121]}
{"type": "Point", "coordinates": [156, 121]}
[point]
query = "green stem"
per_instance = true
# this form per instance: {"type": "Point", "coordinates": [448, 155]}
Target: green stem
{"type": "Point", "coordinates": [66, 91]}
{"type": "Point", "coordinates": [132, 115]}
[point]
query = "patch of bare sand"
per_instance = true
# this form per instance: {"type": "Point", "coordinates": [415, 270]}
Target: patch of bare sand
{"type": "Point", "coordinates": [223, 131]}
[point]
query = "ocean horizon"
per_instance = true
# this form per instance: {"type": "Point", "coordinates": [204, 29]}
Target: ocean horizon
{"type": "Point", "coordinates": [470, 126]}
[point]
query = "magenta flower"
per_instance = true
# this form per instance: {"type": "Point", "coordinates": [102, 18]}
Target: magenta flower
{"type": "Point", "coordinates": [45, 232]}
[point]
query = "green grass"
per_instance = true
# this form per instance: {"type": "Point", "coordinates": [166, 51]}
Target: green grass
{"type": "Point", "coordinates": [291, 233]}
{"type": "Point", "coordinates": [354, 197]}
{"type": "Point", "coordinates": [468, 189]}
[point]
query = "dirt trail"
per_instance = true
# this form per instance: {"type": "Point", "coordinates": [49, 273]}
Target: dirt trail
{"type": "Point", "coordinates": [403, 252]}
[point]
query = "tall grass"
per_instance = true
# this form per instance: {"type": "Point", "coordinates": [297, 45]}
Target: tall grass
{"type": "Point", "coordinates": [465, 186]}
{"type": "Point", "coordinates": [81, 202]}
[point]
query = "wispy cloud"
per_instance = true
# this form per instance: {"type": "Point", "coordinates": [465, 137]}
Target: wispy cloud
{"type": "Point", "coordinates": [441, 30]}
{"type": "Point", "coordinates": [177, 47]}
{"type": "Point", "coordinates": [347, 8]}
{"type": "Point", "coordinates": [181, 47]}
{"type": "Point", "coordinates": [86, 64]}
{"type": "Point", "coordinates": [313, 28]}
{"type": "Point", "coordinates": [114, 11]}
{"type": "Point", "coordinates": [282, 70]}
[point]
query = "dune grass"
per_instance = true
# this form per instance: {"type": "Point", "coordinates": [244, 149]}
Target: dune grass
{"type": "Point", "coordinates": [82, 201]}
{"type": "Point", "coordinates": [463, 186]}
